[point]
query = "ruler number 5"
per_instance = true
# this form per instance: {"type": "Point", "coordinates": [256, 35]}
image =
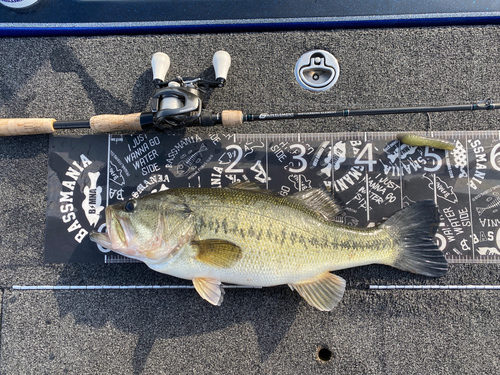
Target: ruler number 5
{"type": "Point", "coordinates": [439, 160]}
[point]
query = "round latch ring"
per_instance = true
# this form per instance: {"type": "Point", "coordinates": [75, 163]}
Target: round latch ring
{"type": "Point", "coordinates": [317, 70]}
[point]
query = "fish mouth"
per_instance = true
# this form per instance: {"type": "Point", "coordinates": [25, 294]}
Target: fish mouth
{"type": "Point", "coordinates": [117, 236]}
{"type": "Point", "coordinates": [101, 239]}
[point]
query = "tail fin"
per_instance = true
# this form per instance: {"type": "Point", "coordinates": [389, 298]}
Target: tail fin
{"type": "Point", "coordinates": [413, 229]}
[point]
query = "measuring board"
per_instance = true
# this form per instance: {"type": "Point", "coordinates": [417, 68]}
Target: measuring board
{"type": "Point", "coordinates": [371, 175]}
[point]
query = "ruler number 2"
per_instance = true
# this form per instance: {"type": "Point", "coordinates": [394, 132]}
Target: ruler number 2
{"type": "Point", "coordinates": [239, 156]}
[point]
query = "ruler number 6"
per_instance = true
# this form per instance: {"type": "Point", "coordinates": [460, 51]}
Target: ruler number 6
{"type": "Point", "coordinates": [495, 157]}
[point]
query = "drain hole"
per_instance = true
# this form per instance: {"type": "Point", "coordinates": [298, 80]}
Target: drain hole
{"type": "Point", "coordinates": [324, 354]}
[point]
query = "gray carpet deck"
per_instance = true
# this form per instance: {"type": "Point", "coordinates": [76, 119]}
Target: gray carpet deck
{"type": "Point", "coordinates": [257, 331]}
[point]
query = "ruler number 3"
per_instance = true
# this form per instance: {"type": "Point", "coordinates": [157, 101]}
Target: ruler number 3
{"type": "Point", "coordinates": [299, 157]}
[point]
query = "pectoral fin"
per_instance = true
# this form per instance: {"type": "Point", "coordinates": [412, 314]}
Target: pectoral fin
{"type": "Point", "coordinates": [209, 289]}
{"type": "Point", "coordinates": [217, 253]}
{"type": "Point", "coordinates": [323, 292]}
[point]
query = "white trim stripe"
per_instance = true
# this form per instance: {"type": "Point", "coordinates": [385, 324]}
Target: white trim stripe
{"type": "Point", "coordinates": [101, 287]}
{"type": "Point", "coordinates": [434, 287]}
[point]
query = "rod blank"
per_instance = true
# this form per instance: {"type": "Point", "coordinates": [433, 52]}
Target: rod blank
{"type": "Point", "coordinates": [486, 105]}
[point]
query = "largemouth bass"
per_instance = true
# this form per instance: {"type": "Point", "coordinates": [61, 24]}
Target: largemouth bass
{"type": "Point", "coordinates": [248, 236]}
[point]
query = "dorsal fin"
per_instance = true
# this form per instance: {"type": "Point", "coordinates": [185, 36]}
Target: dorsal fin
{"type": "Point", "coordinates": [251, 186]}
{"type": "Point", "coordinates": [318, 201]}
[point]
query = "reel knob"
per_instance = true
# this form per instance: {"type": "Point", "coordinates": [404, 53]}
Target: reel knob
{"type": "Point", "coordinates": [160, 63]}
{"type": "Point", "coordinates": [221, 62]}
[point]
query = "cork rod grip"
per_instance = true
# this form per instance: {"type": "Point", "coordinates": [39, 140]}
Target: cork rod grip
{"type": "Point", "coordinates": [26, 126]}
{"type": "Point", "coordinates": [111, 123]}
{"type": "Point", "coordinates": [232, 118]}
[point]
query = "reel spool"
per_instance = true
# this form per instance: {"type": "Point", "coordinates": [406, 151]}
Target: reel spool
{"type": "Point", "coordinates": [178, 103]}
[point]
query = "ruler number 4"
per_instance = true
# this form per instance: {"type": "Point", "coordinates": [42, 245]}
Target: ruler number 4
{"type": "Point", "coordinates": [368, 150]}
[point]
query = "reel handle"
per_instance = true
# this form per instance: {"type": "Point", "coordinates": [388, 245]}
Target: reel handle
{"type": "Point", "coordinates": [221, 62]}
{"type": "Point", "coordinates": [160, 62]}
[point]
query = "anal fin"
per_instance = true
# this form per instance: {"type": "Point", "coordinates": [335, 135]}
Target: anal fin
{"type": "Point", "coordinates": [323, 292]}
{"type": "Point", "coordinates": [209, 289]}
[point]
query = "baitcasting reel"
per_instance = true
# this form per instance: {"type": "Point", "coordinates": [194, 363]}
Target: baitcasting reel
{"type": "Point", "coordinates": [179, 103]}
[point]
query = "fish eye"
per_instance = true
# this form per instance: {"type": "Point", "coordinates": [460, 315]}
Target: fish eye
{"type": "Point", "coordinates": [130, 205]}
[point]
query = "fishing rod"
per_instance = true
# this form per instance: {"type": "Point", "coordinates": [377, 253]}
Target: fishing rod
{"type": "Point", "coordinates": [178, 103]}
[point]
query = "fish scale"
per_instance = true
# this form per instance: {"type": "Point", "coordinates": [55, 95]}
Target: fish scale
{"type": "Point", "coordinates": [285, 246]}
